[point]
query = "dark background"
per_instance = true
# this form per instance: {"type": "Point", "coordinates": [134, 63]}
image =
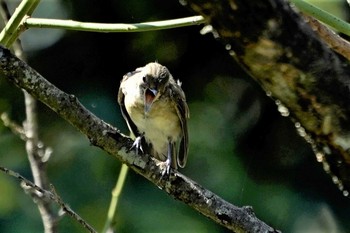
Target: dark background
{"type": "Point", "coordinates": [241, 148]}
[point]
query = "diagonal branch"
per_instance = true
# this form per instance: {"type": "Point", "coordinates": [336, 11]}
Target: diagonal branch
{"type": "Point", "coordinates": [45, 194]}
{"type": "Point", "coordinates": [113, 142]}
{"type": "Point", "coordinates": [11, 31]}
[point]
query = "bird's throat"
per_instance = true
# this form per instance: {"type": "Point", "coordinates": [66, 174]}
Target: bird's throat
{"type": "Point", "coordinates": [149, 98]}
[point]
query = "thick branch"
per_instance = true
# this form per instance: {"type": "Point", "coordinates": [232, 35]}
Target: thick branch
{"type": "Point", "coordinates": [109, 139]}
{"type": "Point", "coordinates": [295, 67]}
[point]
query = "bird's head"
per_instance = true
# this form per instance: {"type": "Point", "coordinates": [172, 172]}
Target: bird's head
{"type": "Point", "coordinates": [155, 77]}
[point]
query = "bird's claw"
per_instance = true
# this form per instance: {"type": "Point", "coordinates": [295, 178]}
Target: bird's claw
{"type": "Point", "coordinates": [165, 167]}
{"type": "Point", "coordinates": [137, 145]}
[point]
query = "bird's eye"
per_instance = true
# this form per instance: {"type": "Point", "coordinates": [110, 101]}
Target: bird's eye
{"type": "Point", "coordinates": [144, 79]}
{"type": "Point", "coordinates": [163, 75]}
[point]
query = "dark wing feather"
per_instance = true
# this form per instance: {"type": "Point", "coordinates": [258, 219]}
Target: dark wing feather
{"type": "Point", "coordinates": [132, 127]}
{"type": "Point", "coordinates": [183, 113]}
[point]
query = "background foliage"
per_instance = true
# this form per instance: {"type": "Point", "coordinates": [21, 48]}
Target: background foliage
{"type": "Point", "coordinates": [240, 146]}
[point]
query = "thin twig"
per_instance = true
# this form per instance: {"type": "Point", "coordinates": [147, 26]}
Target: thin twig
{"type": "Point", "coordinates": [45, 152]}
{"type": "Point", "coordinates": [13, 126]}
{"type": "Point", "coordinates": [111, 27]}
{"type": "Point", "coordinates": [323, 16]}
{"type": "Point", "coordinates": [36, 157]}
{"type": "Point", "coordinates": [336, 42]}
{"type": "Point", "coordinates": [110, 222]}
{"type": "Point", "coordinates": [10, 33]}
{"type": "Point", "coordinates": [37, 163]}
{"type": "Point", "coordinates": [28, 183]}
{"type": "Point", "coordinates": [50, 196]}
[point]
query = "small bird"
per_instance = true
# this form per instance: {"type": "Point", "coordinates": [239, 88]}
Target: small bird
{"type": "Point", "coordinates": [154, 106]}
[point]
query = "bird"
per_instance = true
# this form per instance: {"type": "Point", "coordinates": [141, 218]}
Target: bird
{"type": "Point", "coordinates": [154, 107]}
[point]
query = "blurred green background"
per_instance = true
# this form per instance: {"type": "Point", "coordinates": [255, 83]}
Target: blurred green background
{"type": "Point", "coordinates": [240, 146]}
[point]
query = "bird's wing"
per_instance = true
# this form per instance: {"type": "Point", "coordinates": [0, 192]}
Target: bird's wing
{"type": "Point", "coordinates": [132, 127]}
{"type": "Point", "coordinates": [183, 113]}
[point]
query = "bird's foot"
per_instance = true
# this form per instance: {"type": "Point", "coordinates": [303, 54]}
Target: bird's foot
{"type": "Point", "coordinates": [137, 145]}
{"type": "Point", "coordinates": [165, 167]}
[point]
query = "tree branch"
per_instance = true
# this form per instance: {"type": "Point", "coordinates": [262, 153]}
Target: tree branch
{"type": "Point", "coordinates": [37, 159]}
{"type": "Point", "coordinates": [45, 194]}
{"type": "Point", "coordinates": [111, 27]}
{"type": "Point", "coordinates": [336, 42]}
{"type": "Point", "coordinates": [37, 155]}
{"type": "Point", "coordinates": [113, 142]}
{"type": "Point", "coordinates": [11, 31]}
{"type": "Point", "coordinates": [309, 81]}
{"type": "Point", "coordinates": [323, 16]}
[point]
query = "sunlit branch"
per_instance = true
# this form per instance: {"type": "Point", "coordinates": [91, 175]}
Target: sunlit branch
{"type": "Point", "coordinates": [111, 27]}
{"type": "Point", "coordinates": [325, 17]}
{"type": "Point", "coordinates": [10, 31]}
{"type": "Point", "coordinates": [110, 221]}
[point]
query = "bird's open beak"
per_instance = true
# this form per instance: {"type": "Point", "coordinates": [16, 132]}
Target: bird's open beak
{"type": "Point", "coordinates": [150, 96]}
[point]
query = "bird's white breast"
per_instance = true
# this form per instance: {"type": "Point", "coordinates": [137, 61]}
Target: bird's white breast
{"type": "Point", "coordinates": [159, 125]}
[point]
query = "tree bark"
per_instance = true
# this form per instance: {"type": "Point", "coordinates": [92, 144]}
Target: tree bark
{"type": "Point", "coordinates": [309, 82]}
